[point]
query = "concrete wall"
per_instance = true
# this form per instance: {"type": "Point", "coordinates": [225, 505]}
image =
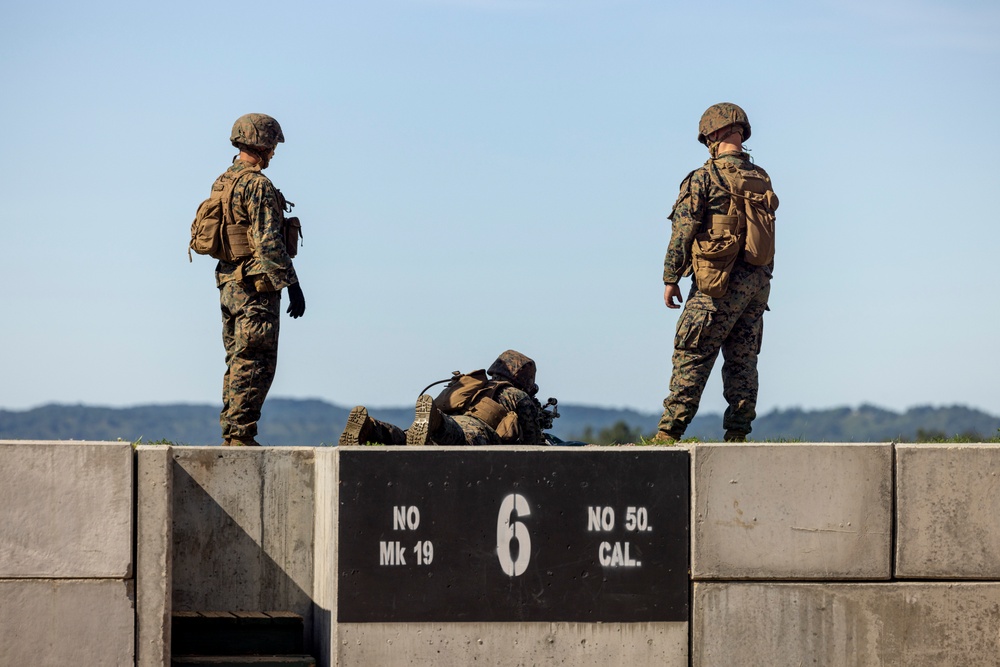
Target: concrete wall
{"type": "Point", "coordinates": [154, 554]}
{"type": "Point", "coordinates": [915, 624]}
{"type": "Point", "coordinates": [949, 505]}
{"type": "Point", "coordinates": [791, 511]}
{"type": "Point", "coordinates": [67, 592]}
{"type": "Point", "coordinates": [831, 554]}
{"type": "Point", "coordinates": [243, 522]}
{"type": "Point", "coordinates": [764, 515]}
{"type": "Point", "coordinates": [513, 644]}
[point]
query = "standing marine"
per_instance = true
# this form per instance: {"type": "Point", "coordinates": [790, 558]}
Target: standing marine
{"type": "Point", "coordinates": [257, 267]}
{"type": "Point", "coordinates": [723, 236]}
{"type": "Point", "coordinates": [486, 407]}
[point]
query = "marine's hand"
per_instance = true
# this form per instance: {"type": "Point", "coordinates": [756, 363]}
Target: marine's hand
{"type": "Point", "coordinates": [296, 301]}
{"type": "Point", "coordinates": [670, 292]}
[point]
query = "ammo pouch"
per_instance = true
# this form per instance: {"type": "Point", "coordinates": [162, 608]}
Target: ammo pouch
{"type": "Point", "coordinates": [713, 255]}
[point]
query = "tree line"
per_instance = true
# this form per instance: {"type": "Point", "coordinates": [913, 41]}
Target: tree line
{"type": "Point", "coordinates": [317, 423]}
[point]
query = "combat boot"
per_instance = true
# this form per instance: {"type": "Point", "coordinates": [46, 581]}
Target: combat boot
{"type": "Point", "coordinates": [666, 437]}
{"type": "Point", "coordinates": [359, 428]}
{"type": "Point", "coordinates": [426, 420]}
{"type": "Point", "coordinates": [735, 436]}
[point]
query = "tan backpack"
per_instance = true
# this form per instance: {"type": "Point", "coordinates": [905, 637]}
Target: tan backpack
{"type": "Point", "coordinates": [213, 232]}
{"type": "Point", "coordinates": [753, 204]}
{"type": "Point", "coordinates": [747, 226]}
{"type": "Point", "coordinates": [474, 394]}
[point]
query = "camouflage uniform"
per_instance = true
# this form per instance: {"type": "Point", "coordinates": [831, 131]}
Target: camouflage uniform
{"type": "Point", "coordinates": [250, 296]}
{"type": "Point", "coordinates": [732, 323]}
{"type": "Point", "coordinates": [512, 372]}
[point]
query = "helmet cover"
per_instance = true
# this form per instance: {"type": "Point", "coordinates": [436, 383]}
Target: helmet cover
{"type": "Point", "coordinates": [256, 130]}
{"type": "Point", "coordinates": [722, 115]}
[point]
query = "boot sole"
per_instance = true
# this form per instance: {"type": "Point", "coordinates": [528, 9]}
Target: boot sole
{"type": "Point", "coordinates": [416, 435]}
{"type": "Point", "coordinates": [356, 421]}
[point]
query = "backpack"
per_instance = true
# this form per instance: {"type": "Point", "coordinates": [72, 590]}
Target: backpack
{"type": "Point", "coordinates": [753, 204]}
{"type": "Point", "coordinates": [209, 233]}
{"type": "Point", "coordinates": [747, 226]}
{"type": "Point", "coordinates": [473, 394]}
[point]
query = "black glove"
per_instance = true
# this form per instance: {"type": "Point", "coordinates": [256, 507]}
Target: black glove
{"type": "Point", "coordinates": [297, 302]}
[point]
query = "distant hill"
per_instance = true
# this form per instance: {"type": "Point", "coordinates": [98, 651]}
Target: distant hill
{"type": "Point", "coordinates": [316, 422]}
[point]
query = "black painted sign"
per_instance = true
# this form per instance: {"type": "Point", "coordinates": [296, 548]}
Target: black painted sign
{"type": "Point", "coordinates": [488, 535]}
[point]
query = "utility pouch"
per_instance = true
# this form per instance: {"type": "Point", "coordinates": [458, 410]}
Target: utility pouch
{"type": "Point", "coordinates": [293, 236]}
{"type": "Point", "coordinates": [713, 255]}
{"type": "Point", "coordinates": [507, 429]}
{"type": "Point", "coordinates": [759, 210]}
{"type": "Point", "coordinates": [489, 412]}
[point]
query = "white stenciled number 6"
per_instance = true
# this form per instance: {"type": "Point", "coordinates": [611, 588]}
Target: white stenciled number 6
{"type": "Point", "coordinates": [508, 530]}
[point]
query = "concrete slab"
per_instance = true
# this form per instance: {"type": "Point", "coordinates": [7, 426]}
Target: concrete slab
{"type": "Point", "coordinates": [326, 568]}
{"type": "Point", "coordinates": [791, 511]}
{"type": "Point", "coordinates": [154, 554]}
{"type": "Point", "coordinates": [243, 527]}
{"type": "Point", "coordinates": [67, 622]}
{"type": "Point", "coordinates": [65, 509]}
{"type": "Point", "coordinates": [513, 644]}
{"type": "Point", "coordinates": [946, 510]}
{"type": "Point", "coordinates": [846, 625]}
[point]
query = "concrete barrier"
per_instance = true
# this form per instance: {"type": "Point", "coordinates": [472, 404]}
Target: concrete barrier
{"type": "Point", "coordinates": [67, 622]}
{"type": "Point", "coordinates": [326, 566]}
{"type": "Point", "coordinates": [948, 508]}
{"type": "Point", "coordinates": [154, 554]}
{"type": "Point", "coordinates": [65, 510]}
{"type": "Point", "coordinates": [791, 511]}
{"type": "Point", "coordinates": [323, 532]}
{"type": "Point", "coordinates": [513, 644]}
{"type": "Point", "coordinates": [243, 522]}
{"type": "Point", "coordinates": [846, 625]}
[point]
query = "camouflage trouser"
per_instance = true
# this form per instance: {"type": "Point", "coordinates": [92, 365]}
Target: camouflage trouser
{"type": "Point", "coordinates": [733, 324]}
{"type": "Point", "coordinates": [453, 430]}
{"type": "Point", "coordinates": [385, 433]}
{"type": "Point", "coordinates": [250, 321]}
{"type": "Point", "coordinates": [464, 430]}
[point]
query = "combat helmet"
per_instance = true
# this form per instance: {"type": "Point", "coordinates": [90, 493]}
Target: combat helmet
{"type": "Point", "coordinates": [719, 116]}
{"type": "Point", "coordinates": [256, 130]}
{"type": "Point", "coordinates": [517, 369]}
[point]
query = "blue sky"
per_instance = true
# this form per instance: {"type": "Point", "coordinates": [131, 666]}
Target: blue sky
{"type": "Point", "coordinates": [477, 175]}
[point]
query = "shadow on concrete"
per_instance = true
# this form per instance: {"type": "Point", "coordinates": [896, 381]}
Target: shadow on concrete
{"type": "Point", "coordinates": [238, 547]}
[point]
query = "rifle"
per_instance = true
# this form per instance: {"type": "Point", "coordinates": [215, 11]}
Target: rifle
{"type": "Point", "coordinates": [547, 416]}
